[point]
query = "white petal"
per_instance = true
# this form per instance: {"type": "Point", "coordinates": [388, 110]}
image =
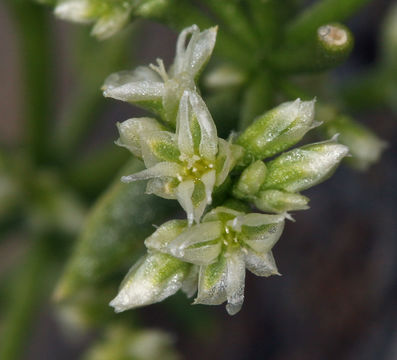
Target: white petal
{"type": "Point", "coordinates": [212, 283]}
{"type": "Point", "coordinates": [74, 10]}
{"type": "Point", "coordinates": [255, 219]}
{"type": "Point", "coordinates": [138, 91]}
{"type": "Point", "coordinates": [262, 240]}
{"type": "Point", "coordinates": [261, 264]}
{"type": "Point", "coordinates": [189, 285]}
{"type": "Point", "coordinates": [185, 138]}
{"type": "Point", "coordinates": [185, 245]}
{"type": "Point", "coordinates": [208, 180]}
{"type": "Point", "coordinates": [141, 73]}
{"type": "Point", "coordinates": [107, 26]}
{"type": "Point", "coordinates": [214, 213]}
{"type": "Point", "coordinates": [147, 141]}
{"type": "Point", "coordinates": [163, 169]}
{"type": "Point", "coordinates": [201, 48]}
{"type": "Point", "coordinates": [131, 132]}
{"type": "Point", "coordinates": [199, 210]}
{"type": "Point", "coordinates": [167, 232]}
{"type": "Point", "coordinates": [226, 154]}
{"type": "Point", "coordinates": [235, 281]}
{"type": "Point", "coordinates": [203, 255]}
{"type": "Point", "coordinates": [208, 147]}
{"type": "Point", "coordinates": [155, 277]}
{"type": "Point", "coordinates": [179, 64]}
{"type": "Point", "coordinates": [184, 193]}
{"type": "Point", "coordinates": [162, 187]}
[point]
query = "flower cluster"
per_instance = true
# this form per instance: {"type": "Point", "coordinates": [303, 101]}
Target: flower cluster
{"type": "Point", "coordinates": [185, 160]}
{"type": "Point", "coordinates": [218, 250]}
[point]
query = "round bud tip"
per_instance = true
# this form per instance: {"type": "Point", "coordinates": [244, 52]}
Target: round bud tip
{"type": "Point", "coordinates": [333, 35]}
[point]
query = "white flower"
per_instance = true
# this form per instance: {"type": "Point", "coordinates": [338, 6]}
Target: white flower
{"type": "Point", "coordinates": [223, 246]}
{"type": "Point", "coordinates": [109, 17]}
{"type": "Point", "coordinates": [189, 164]}
{"type": "Point", "coordinates": [156, 89]}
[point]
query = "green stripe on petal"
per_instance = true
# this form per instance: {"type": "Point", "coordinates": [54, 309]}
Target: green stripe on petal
{"type": "Point", "coordinates": [196, 245]}
{"type": "Point", "coordinates": [212, 283]}
{"type": "Point", "coordinates": [162, 145]}
{"type": "Point", "coordinates": [304, 167]}
{"type": "Point", "coordinates": [280, 201]}
{"type": "Point", "coordinates": [235, 281]}
{"type": "Point", "coordinates": [166, 233]}
{"type": "Point", "coordinates": [262, 238]}
{"type": "Point", "coordinates": [155, 277]}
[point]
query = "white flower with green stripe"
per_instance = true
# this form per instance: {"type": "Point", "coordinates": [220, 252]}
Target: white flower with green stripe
{"type": "Point", "coordinates": [158, 90]}
{"type": "Point", "coordinates": [222, 247]}
{"type": "Point", "coordinates": [187, 165]}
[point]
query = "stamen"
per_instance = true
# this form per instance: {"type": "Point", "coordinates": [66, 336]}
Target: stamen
{"type": "Point", "coordinates": [160, 69]}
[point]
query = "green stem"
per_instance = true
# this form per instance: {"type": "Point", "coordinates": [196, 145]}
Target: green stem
{"type": "Point", "coordinates": [182, 13]}
{"type": "Point", "coordinates": [95, 61]}
{"type": "Point", "coordinates": [24, 299]}
{"type": "Point", "coordinates": [256, 99]}
{"type": "Point", "coordinates": [34, 30]}
{"type": "Point", "coordinates": [93, 173]}
{"type": "Point", "coordinates": [232, 15]}
{"type": "Point", "coordinates": [320, 13]}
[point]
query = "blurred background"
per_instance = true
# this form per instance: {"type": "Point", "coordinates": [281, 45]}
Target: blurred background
{"type": "Point", "coordinates": [337, 297]}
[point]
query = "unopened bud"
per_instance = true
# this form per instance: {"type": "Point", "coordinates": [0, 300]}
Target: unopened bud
{"type": "Point", "coordinates": [131, 132]}
{"type": "Point", "coordinates": [278, 129]}
{"type": "Point", "coordinates": [279, 201]}
{"type": "Point", "coordinates": [250, 180]}
{"type": "Point", "coordinates": [152, 279]}
{"type": "Point", "coordinates": [304, 167]}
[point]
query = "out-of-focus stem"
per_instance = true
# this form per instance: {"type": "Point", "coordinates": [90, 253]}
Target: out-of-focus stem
{"type": "Point", "coordinates": [24, 299]}
{"type": "Point", "coordinates": [320, 13]}
{"type": "Point", "coordinates": [32, 25]}
{"type": "Point", "coordinates": [256, 99]}
{"type": "Point", "coordinates": [98, 60]}
{"type": "Point", "coordinates": [182, 13]}
{"type": "Point", "coordinates": [235, 20]}
{"type": "Point", "coordinates": [94, 172]}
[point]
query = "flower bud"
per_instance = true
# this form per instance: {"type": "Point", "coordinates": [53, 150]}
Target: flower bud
{"type": "Point", "coordinates": [304, 167]}
{"type": "Point", "coordinates": [364, 146]}
{"type": "Point", "coordinates": [132, 130]}
{"type": "Point", "coordinates": [278, 129]}
{"type": "Point", "coordinates": [250, 180]}
{"type": "Point", "coordinates": [152, 279]}
{"type": "Point", "coordinates": [279, 201]}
